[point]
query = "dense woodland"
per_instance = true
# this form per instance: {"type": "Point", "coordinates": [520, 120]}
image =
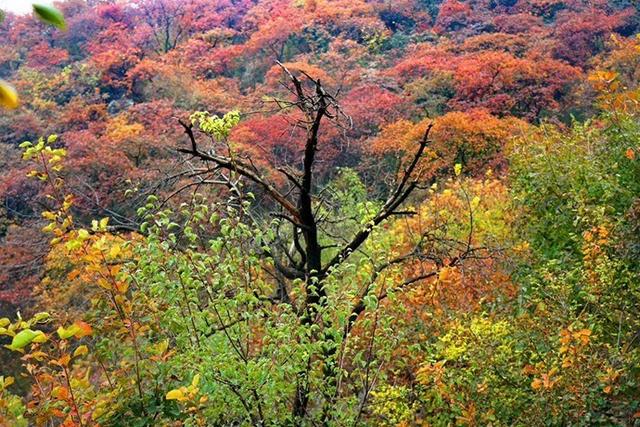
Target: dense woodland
{"type": "Point", "coordinates": [320, 213]}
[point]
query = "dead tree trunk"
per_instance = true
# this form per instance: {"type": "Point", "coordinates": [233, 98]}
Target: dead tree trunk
{"type": "Point", "coordinates": [297, 207]}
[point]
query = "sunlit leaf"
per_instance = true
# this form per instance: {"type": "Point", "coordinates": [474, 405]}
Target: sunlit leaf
{"type": "Point", "coordinates": [41, 317]}
{"type": "Point", "coordinates": [66, 333]}
{"type": "Point", "coordinates": [23, 339]}
{"type": "Point", "coordinates": [8, 381]}
{"type": "Point", "coordinates": [175, 395]}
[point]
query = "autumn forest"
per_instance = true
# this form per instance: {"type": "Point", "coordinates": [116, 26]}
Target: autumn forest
{"type": "Point", "coordinates": [320, 213]}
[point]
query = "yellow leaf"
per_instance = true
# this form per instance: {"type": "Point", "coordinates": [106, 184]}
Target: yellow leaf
{"type": "Point", "coordinates": [583, 336]}
{"type": "Point", "coordinates": [64, 360]}
{"type": "Point", "coordinates": [196, 380]}
{"type": "Point", "coordinates": [8, 96]}
{"type": "Point", "coordinates": [475, 202]}
{"type": "Point", "coordinates": [73, 274]}
{"type": "Point", "coordinates": [66, 333]}
{"type": "Point", "coordinates": [104, 283]}
{"type": "Point", "coordinates": [161, 347]}
{"type": "Point", "coordinates": [122, 287]}
{"type": "Point", "coordinates": [114, 251]}
{"type": "Point", "coordinates": [103, 223]}
{"type": "Point", "coordinates": [175, 395]}
{"type": "Point", "coordinates": [40, 338]}
{"type": "Point", "coordinates": [60, 392]}
{"type": "Point", "coordinates": [81, 351]}
{"type": "Point", "coordinates": [39, 355]}
{"type": "Point", "coordinates": [49, 215]}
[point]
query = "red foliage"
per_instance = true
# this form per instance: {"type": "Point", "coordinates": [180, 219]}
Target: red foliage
{"type": "Point", "coordinates": [519, 23]}
{"type": "Point", "coordinates": [453, 15]}
{"type": "Point", "coordinates": [44, 56]}
{"type": "Point", "coordinates": [21, 252]}
{"type": "Point", "coordinates": [114, 53]}
{"type": "Point", "coordinates": [497, 81]}
{"type": "Point", "coordinates": [582, 35]}
{"type": "Point", "coordinates": [371, 107]}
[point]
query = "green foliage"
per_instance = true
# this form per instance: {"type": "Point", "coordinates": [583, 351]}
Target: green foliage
{"type": "Point", "coordinates": [217, 307]}
{"type": "Point", "coordinates": [215, 333]}
{"type": "Point", "coordinates": [218, 127]}
{"type": "Point", "coordinates": [571, 181]}
{"type": "Point", "coordinates": [11, 407]}
{"type": "Point", "coordinates": [24, 338]}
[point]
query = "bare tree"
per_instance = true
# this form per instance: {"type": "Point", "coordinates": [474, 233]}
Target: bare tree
{"type": "Point", "coordinates": [301, 256]}
{"type": "Point", "coordinates": [167, 20]}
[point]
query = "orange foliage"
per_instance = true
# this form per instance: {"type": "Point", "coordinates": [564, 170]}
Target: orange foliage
{"type": "Point", "coordinates": [474, 138]}
{"type": "Point", "coordinates": [274, 75]}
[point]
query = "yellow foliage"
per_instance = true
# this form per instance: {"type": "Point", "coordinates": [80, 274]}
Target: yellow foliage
{"type": "Point", "coordinates": [119, 129]}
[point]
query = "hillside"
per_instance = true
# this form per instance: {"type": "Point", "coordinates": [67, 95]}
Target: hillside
{"type": "Point", "coordinates": [321, 212]}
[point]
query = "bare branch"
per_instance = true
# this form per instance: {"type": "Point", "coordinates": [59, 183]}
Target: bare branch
{"type": "Point", "coordinates": [402, 191]}
{"type": "Point", "coordinates": [240, 167]}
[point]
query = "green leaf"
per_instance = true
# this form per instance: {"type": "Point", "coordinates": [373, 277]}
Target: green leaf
{"type": "Point", "coordinates": [41, 317]}
{"type": "Point", "coordinates": [65, 333]}
{"type": "Point", "coordinates": [50, 15]}
{"type": "Point", "coordinates": [24, 338]}
{"type": "Point", "coordinates": [2, 15]}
